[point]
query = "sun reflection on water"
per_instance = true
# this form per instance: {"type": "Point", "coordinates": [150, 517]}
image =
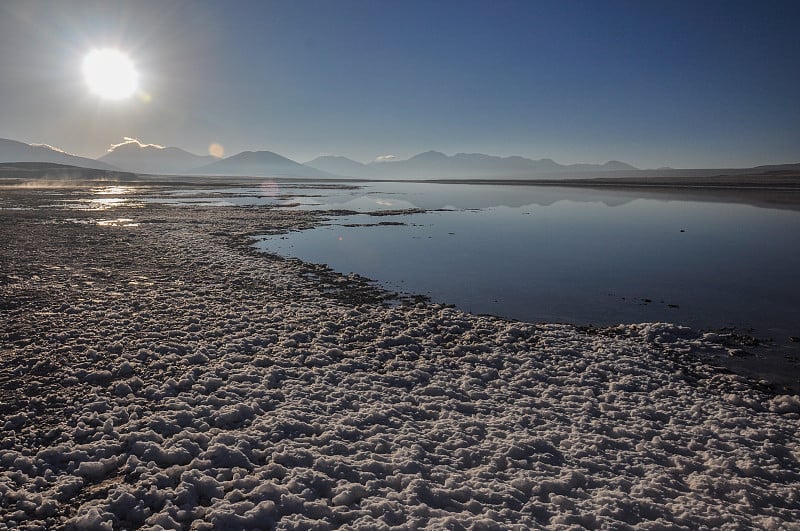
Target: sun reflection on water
{"type": "Point", "coordinates": [110, 201]}
{"type": "Point", "coordinates": [112, 190]}
{"type": "Point", "coordinates": [119, 222]}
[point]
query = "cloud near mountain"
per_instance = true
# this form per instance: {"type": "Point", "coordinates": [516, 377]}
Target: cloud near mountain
{"type": "Point", "coordinates": [128, 140]}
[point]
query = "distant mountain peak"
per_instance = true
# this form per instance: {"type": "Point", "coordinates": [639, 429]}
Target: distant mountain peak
{"type": "Point", "coordinates": [262, 155]}
{"type": "Point", "coordinates": [342, 166]}
{"type": "Point", "coordinates": [618, 165]}
{"type": "Point", "coordinates": [334, 157]}
{"type": "Point", "coordinates": [260, 164]}
{"type": "Point", "coordinates": [430, 155]}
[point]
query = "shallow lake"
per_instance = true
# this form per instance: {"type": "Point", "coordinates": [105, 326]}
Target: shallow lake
{"type": "Point", "coordinates": [554, 254]}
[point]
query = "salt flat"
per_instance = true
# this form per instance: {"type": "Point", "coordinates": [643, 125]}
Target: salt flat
{"type": "Point", "coordinates": [158, 373]}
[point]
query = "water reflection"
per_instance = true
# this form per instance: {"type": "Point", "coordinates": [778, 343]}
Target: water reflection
{"type": "Point", "coordinates": [119, 222]}
{"type": "Point", "coordinates": [109, 202]}
{"type": "Point", "coordinates": [361, 203]}
{"type": "Point", "coordinates": [97, 204]}
{"type": "Point", "coordinates": [113, 190]}
{"type": "Point", "coordinates": [565, 255]}
{"type": "Point", "coordinates": [368, 196]}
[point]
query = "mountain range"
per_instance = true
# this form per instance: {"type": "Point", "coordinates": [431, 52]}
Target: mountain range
{"type": "Point", "coordinates": [137, 157]}
{"type": "Point", "coordinates": [437, 165]}
{"type": "Point", "coordinates": [134, 156]}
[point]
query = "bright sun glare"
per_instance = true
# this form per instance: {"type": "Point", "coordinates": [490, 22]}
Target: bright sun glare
{"type": "Point", "coordinates": [110, 74]}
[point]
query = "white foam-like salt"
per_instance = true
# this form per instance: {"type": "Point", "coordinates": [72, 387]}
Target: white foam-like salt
{"type": "Point", "coordinates": [304, 411]}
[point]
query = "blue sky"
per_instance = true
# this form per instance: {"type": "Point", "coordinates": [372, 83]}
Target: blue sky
{"type": "Point", "coordinates": [684, 84]}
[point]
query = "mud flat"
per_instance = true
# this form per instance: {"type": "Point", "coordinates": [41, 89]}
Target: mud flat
{"type": "Point", "coordinates": [156, 372]}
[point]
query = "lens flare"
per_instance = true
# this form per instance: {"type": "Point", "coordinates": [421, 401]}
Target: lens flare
{"type": "Point", "coordinates": [216, 150]}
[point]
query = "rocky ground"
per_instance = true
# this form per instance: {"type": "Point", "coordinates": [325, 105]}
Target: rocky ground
{"type": "Point", "coordinates": [158, 373]}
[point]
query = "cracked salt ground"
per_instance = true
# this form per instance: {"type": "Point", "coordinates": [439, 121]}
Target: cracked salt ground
{"type": "Point", "coordinates": [227, 391]}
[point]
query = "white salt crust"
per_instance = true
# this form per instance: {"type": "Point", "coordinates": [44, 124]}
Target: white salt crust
{"type": "Point", "coordinates": [235, 395]}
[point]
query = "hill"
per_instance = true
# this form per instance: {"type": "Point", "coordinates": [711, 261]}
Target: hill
{"type": "Point", "coordinates": [15, 151]}
{"type": "Point", "coordinates": [260, 164]}
{"type": "Point", "coordinates": [149, 158]}
{"type": "Point", "coordinates": [338, 165]}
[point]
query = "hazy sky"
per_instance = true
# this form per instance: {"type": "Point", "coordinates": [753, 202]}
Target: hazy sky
{"type": "Point", "coordinates": [653, 83]}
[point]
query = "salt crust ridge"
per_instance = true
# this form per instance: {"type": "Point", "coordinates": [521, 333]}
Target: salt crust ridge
{"type": "Point", "coordinates": [235, 395]}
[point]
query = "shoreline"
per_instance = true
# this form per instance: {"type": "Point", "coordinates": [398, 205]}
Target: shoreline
{"type": "Point", "coordinates": [774, 180]}
{"type": "Point", "coordinates": [770, 181]}
{"type": "Point", "coordinates": [161, 371]}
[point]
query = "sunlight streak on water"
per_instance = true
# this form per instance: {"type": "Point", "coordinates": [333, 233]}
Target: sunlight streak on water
{"type": "Point", "coordinates": [113, 190]}
{"type": "Point", "coordinates": [119, 222]}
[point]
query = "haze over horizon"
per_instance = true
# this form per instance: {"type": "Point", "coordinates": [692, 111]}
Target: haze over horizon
{"type": "Point", "coordinates": [676, 84]}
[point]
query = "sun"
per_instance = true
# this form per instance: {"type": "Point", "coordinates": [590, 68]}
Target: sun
{"type": "Point", "coordinates": [110, 74]}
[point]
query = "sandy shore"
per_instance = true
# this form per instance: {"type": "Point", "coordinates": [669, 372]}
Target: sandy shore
{"type": "Point", "coordinates": [157, 372]}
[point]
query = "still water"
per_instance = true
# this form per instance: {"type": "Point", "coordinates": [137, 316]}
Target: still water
{"type": "Point", "coordinates": [550, 254]}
